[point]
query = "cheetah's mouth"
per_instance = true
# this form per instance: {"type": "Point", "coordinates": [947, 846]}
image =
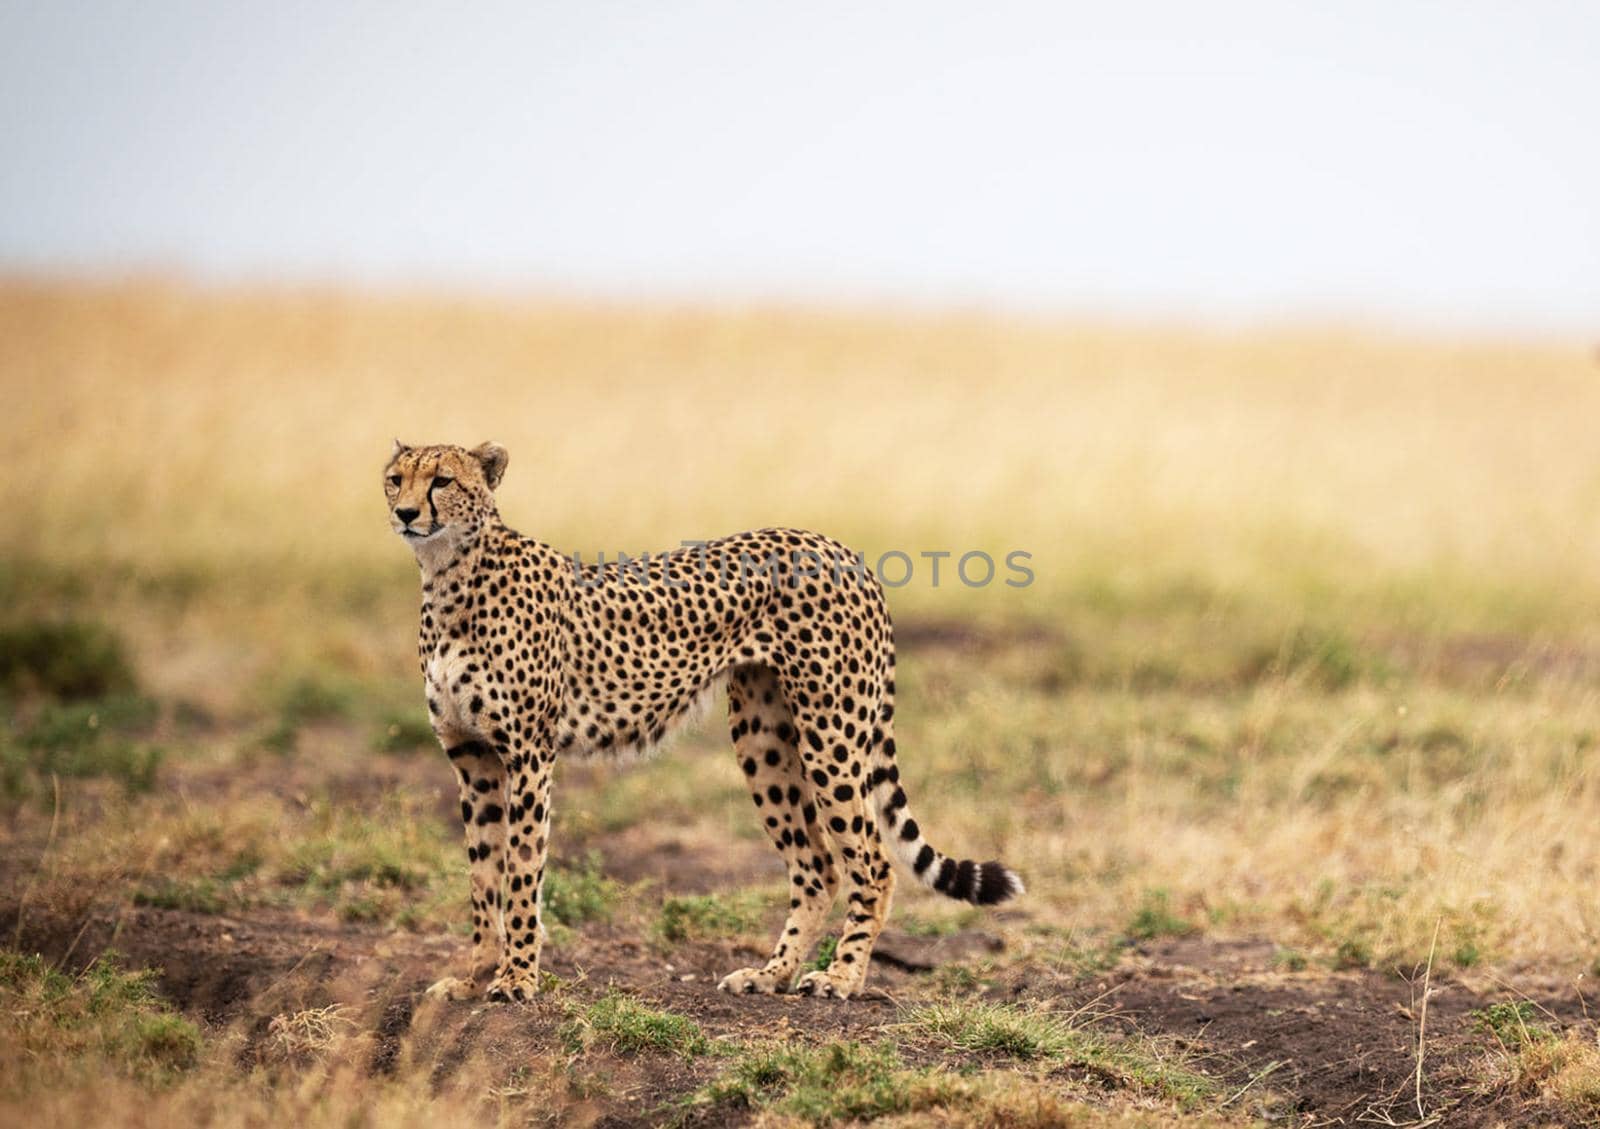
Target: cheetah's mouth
{"type": "Point", "coordinates": [418, 535]}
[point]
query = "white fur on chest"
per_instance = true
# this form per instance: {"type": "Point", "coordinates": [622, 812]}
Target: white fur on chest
{"type": "Point", "coordinates": [449, 685]}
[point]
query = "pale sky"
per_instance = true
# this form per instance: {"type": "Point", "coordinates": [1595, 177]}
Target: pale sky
{"type": "Point", "coordinates": [1434, 164]}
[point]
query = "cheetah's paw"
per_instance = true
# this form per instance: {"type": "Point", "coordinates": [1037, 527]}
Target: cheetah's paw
{"type": "Point", "coordinates": [452, 988]}
{"type": "Point", "coordinates": [823, 986]}
{"type": "Point", "coordinates": [750, 982]}
{"type": "Point", "coordinates": [507, 988]}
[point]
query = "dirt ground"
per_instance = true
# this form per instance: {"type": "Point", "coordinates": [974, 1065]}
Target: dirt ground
{"type": "Point", "coordinates": [1329, 1047]}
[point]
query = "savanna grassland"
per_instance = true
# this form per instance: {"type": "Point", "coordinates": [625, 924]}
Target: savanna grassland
{"type": "Point", "coordinates": [1293, 736]}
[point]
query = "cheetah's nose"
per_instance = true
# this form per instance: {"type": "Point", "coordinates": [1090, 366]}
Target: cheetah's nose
{"type": "Point", "coordinates": [406, 515]}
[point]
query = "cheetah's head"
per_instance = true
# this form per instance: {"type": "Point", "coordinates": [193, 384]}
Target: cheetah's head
{"type": "Point", "coordinates": [436, 494]}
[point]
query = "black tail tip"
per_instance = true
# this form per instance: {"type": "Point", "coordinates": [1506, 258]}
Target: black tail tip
{"type": "Point", "coordinates": [996, 883]}
{"type": "Point", "coordinates": [981, 883]}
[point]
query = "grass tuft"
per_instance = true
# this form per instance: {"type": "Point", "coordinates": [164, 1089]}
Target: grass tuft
{"type": "Point", "coordinates": [1154, 918]}
{"type": "Point", "coordinates": [704, 916]}
{"type": "Point", "coordinates": [627, 1026]}
{"type": "Point", "coordinates": [572, 897]}
{"type": "Point", "coordinates": [106, 1015]}
{"type": "Point", "coordinates": [1007, 1031]}
{"type": "Point", "coordinates": [840, 1082]}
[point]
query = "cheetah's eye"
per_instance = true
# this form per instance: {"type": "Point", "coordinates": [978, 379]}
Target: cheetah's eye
{"type": "Point", "coordinates": [394, 480]}
{"type": "Point", "coordinates": [441, 481]}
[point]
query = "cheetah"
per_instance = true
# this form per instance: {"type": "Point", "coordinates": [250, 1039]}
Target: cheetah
{"type": "Point", "coordinates": [528, 654]}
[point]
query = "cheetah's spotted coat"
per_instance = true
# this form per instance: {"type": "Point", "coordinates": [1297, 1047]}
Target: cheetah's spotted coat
{"type": "Point", "coordinates": [525, 657]}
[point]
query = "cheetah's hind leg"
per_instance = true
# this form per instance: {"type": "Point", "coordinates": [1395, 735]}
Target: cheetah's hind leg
{"type": "Point", "coordinates": [764, 737]}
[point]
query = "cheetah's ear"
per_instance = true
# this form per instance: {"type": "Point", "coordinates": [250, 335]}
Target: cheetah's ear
{"type": "Point", "coordinates": [493, 458]}
{"type": "Point", "coordinates": [399, 449]}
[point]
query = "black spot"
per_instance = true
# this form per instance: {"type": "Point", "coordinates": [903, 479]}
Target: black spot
{"type": "Point", "coordinates": [910, 831]}
{"type": "Point", "coordinates": [491, 813]}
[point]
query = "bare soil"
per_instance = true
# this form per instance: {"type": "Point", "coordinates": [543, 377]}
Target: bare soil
{"type": "Point", "coordinates": [1338, 1048]}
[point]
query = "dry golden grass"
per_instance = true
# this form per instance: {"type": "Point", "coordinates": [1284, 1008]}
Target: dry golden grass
{"type": "Point", "coordinates": [165, 426]}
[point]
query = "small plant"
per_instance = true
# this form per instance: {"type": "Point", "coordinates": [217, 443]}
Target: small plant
{"type": "Point", "coordinates": [1466, 954]}
{"type": "Point", "coordinates": [703, 916]}
{"type": "Point", "coordinates": [1290, 960]}
{"type": "Point", "coordinates": [1512, 1024]}
{"type": "Point", "coordinates": [628, 1026]}
{"type": "Point", "coordinates": [1154, 918]}
{"type": "Point", "coordinates": [825, 951]}
{"type": "Point", "coordinates": [572, 897]}
{"type": "Point", "coordinates": [1352, 953]}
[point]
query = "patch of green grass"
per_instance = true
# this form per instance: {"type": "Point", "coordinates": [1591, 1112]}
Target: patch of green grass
{"type": "Point", "coordinates": [196, 895]}
{"type": "Point", "coordinates": [993, 1029]}
{"type": "Point", "coordinates": [702, 916]}
{"type": "Point", "coordinates": [361, 852]}
{"type": "Point", "coordinates": [1030, 1035]}
{"type": "Point", "coordinates": [84, 739]}
{"type": "Point", "coordinates": [1513, 1024]}
{"type": "Point", "coordinates": [956, 978]}
{"type": "Point", "coordinates": [1321, 657]}
{"type": "Point", "coordinates": [309, 696]}
{"type": "Point", "coordinates": [825, 951]}
{"type": "Point", "coordinates": [1154, 918]}
{"type": "Point", "coordinates": [65, 659]}
{"type": "Point", "coordinates": [1290, 960]}
{"type": "Point", "coordinates": [404, 733]}
{"type": "Point", "coordinates": [106, 1014]}
{"type": "Point", "coordinates": [316, 696]}
{"type": "Point", "coordinates": [627, 1026]}
{"type": "Point", "coordinates": [1352, 953]}
{"type": "Point", "coordinates": [572, 897]}
{"type": "Point", "coordinates": [840, 1082]}
{"type": "Point", "coordinates": [383, 863]}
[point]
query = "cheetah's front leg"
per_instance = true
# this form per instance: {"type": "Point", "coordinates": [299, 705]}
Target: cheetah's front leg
{"type": "Point", "coordinates": [527, 821]}
{"type": "Point", "coordinates": [481, 777]}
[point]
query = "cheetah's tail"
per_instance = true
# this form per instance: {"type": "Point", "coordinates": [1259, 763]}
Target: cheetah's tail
{"type": "Point", "coordinates": [981, 883]}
